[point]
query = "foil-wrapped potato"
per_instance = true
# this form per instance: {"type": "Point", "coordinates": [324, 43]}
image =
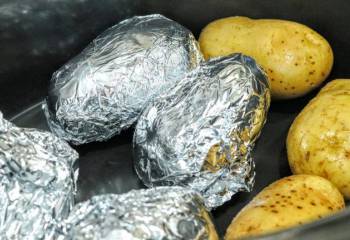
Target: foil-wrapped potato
{"type": "Point", "coordinates": [288, 202]}
{"type": "Point", "coordinates": [102, 91]}
{"type": "Point", "coordinates": [161, 213]}
{"type": "Point", "coordinates": [37, 182]}
{"type": "Point", "coordinates": [318, 141]}
{"type": "Point", "coordinates": [200, 133]}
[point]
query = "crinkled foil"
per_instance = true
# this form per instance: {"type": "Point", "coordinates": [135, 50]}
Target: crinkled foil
{"type": "Point", "coordinates": [160, 213]}
{"type": "Point", "coordinates": [103, 90]}
{"type": "Point", "coordinates": [200, 134]}
{"type": "Point", "coordinates": [37, 182]}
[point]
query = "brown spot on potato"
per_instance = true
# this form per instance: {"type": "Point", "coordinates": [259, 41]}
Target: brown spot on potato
{"type": "Point", "coordinates": [307, 157]}
{"type": "Point", "coordinates": [325, 174]}
{"type": "Point", "coordinates": [320, 163]}
{"type": "Point", "coordinates": [250, 228]}
{"type": "Point", "coordinates": [274, 211]}
{"type": "Point", "coordinates": [313, 203]}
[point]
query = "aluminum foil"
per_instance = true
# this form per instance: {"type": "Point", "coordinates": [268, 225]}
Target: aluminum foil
{"type": "Point", "coordinates": [37, 182]}
{"type": "Point", "coordinates": [160, 213]}
{"type": "Point", "coordinates": [102, 91]}
{"type": "Point", "coordinates": [200, 134]}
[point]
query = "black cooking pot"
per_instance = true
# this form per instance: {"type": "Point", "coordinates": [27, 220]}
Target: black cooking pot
{"type": "Point", "coordinates": [38, 36]}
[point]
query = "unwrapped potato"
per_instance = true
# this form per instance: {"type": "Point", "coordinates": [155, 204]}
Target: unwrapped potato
{"type": "Point", "coordinates": [319, 139]}
{"type": "Point", "coordinates": [288, 202]}
{"type": "Point", "coordinates": [296, 58]}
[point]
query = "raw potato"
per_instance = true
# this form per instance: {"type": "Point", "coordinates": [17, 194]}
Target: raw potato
{"type": "Point", "coordinates": [319, 139]}
{"type": "Point", "coordinates": [296, 58]}
{"type": "Point", "coordinates": [212, 234]}
{"type": "Point", "coordinates": [285, 203]}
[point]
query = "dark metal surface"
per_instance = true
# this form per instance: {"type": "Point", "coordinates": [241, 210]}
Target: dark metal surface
{"type": "Point", "coordinates": [37, 36]}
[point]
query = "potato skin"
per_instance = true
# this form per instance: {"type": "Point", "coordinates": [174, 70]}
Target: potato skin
{"type": "Point", "coordinates": [318, 141]}
{"type": "Point", "coordinates": [290, 201]}
{"type": "Point", "coordinates": [296, 58]}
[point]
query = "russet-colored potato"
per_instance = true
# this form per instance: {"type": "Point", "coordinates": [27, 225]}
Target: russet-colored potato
{"type": "Point", "coordinates": [296, 58]}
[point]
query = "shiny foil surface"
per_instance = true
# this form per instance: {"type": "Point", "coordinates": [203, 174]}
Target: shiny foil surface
{"type": "Point", "coordinates": [102, 91]}
{"type": "Point", "coordinates": [200, 134]}
{"type": "Point", "coordinates": [157, 214]}
{"type": "Point", "coordinates": [37, 182]}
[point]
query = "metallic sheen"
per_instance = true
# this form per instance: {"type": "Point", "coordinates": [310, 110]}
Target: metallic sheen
{"type": "Point", "coordinates": [37, 182]}
{"type": "Point", "coordinates": [200, 134]}
{"type": "Point", "coordinates": [160, 213]}
{"type": "Point", "coordinates": [103, 90]}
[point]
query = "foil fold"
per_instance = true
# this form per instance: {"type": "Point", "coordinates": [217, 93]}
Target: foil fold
{"type": "Point", "coordinates": [160, 213]}
{"type": "Point", "coordinates": [200, 134]}
{"type": "Point", "coordinates": [37, 182]}
{"type": "Point", "coordinates": [103, 90]}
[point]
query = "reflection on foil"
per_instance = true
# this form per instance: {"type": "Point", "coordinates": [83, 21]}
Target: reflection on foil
{"type": "Point", "coordinates": [103, 90]}
{"type": "Point", "coordinates": [200, 134]}
{"type": "Point", "coordinates": [160, 213]}
{"type": "Point", "coordinates": [37, 182]}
